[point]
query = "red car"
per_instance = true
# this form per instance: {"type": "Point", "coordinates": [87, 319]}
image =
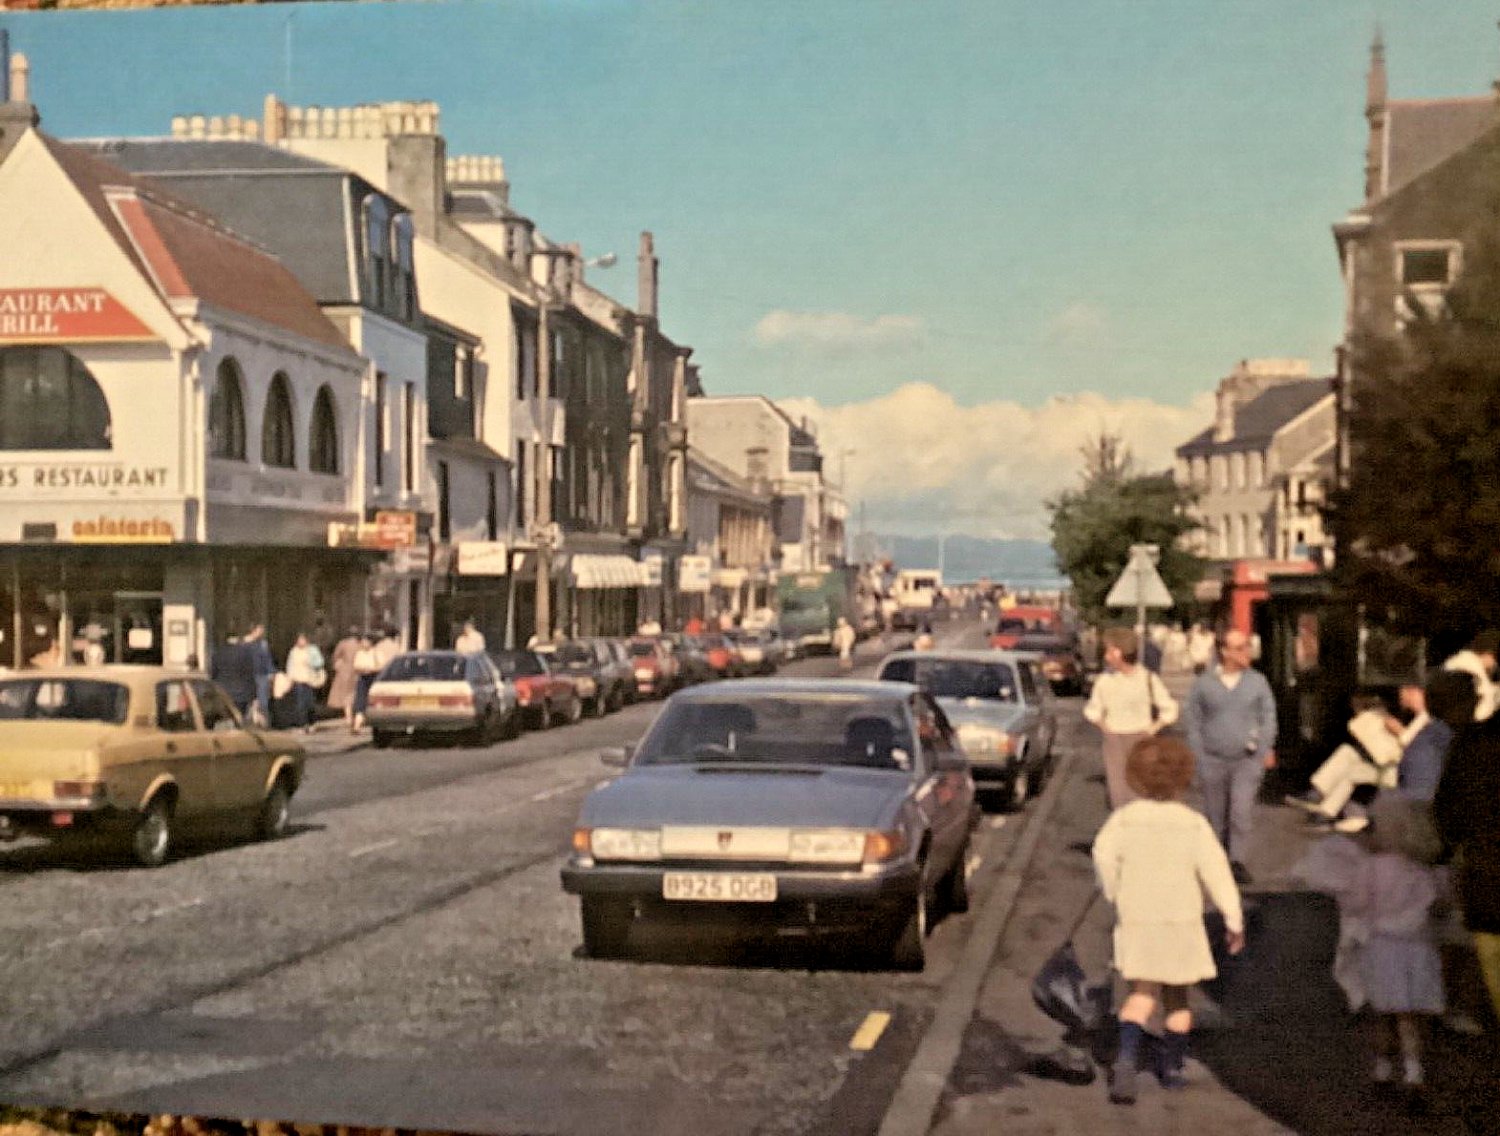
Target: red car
{"type": "Point", "coordinates": [544, 695]}
{"type": "Point", "coordinates": [653, 667]}
{"type": "Point", "coordinates": [1022, 620]}
{"type": "Point", "coordinates": [721, 656]}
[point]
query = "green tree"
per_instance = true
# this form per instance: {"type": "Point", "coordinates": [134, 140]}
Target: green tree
{"type": "Point", "coordinates": [1094, 526]}
{"type": "Point", "coordinates": [1417, 526]}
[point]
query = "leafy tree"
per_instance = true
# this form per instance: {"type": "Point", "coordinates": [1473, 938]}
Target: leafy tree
{"type": "Point", "coordinates": [1418, 524]}
{"type": "Point", "coordinates": [1094, 526]}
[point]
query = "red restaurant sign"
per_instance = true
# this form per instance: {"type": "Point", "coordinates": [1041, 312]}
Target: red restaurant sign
{"type": "Point", "coordinates": [48, 315]}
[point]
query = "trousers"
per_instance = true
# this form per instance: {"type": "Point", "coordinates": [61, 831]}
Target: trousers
{"type": "Point", "coordinates": [1229, 787]}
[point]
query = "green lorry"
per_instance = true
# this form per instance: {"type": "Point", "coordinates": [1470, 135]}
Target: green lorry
{"type": "Point", "coordinates": [811, 603]}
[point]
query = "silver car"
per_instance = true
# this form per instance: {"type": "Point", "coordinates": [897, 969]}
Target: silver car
{"type": "Point", "coordinates": [442, 692]}
{"type": "Point", "coordinates": [811, 806]}
{"type": "Point", "coordinates": [1001, 705]}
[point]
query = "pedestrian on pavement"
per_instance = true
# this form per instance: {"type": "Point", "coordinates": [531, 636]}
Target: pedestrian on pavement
{"type": "Point", "coordinates": [470, 641]}
{"type": "Point", "coordinates": [1156, 858]}
{"type": "Point", "coordinates": [1388, 959]}
{"type": "Point", "coordinates": [1200, 647]}
{"type": "Point", "coordinates": [1450, 697]}
{"type": "Point", "coordinates": [1231, 724]}
{"type": "Point", "coordinates": [265, 668]}
{"type": "Point", "coordinates": [1478, 659]}
{"type": "Point", "coordinates": [304, 666]}
{"type": "Point", "coordinates": [1128, 703]}
{"type": "Point", "coordinates": [843, 643]}
{"type": "Point", "coordinates": [1467, 811]}
{"type": "Point", "coordinates": [366, 667]}
{"type": "Point", "coordinates": [233, 668]}
{"type": "Point", "coordinates": [341, 691]}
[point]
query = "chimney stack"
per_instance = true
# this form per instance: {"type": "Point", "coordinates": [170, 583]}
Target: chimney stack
{"type": "Point", "coordinates": [17, 115]}
{"type": "Point", "coordinates": [645, 302]}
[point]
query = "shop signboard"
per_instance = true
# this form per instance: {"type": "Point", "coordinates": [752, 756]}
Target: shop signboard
{"type": "Point", "coordinates": [652, 559]}
{"type": "Point", "coordinates": [694, 573]}
{"type": "Point", "coordinates": [482, 557]}
{"type": "Point", "coordinates": [66, 315]}
{"type": "Point", "coordinates": [395, 528]}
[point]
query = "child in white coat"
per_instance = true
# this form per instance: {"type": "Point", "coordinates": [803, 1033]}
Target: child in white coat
{"type": "Point", "coordinates": [1156, 859]}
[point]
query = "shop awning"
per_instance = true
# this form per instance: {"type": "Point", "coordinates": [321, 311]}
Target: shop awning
{"type": "Point", "coordinates": [729, 577]}
{"type": "Point", "coordinates": [607, 571]}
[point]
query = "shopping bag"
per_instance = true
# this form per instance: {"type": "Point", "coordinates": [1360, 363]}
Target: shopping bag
{"type": "Point", "coordinates": [1061, 989]}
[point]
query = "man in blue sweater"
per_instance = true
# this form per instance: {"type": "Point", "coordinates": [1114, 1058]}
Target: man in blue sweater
{"type": "Point", "coordinates": [1230, 715]}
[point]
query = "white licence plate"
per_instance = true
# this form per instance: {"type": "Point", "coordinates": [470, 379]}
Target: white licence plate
{"type": "Point", "coordinates": [720, 887]}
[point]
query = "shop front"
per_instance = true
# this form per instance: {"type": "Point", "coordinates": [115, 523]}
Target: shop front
{"type": "Point", "coordinates": [605, 594]}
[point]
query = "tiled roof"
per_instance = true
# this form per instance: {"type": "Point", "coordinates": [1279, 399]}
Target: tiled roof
{"type": "Point", "coordinates": [205, 155]}
{"type": "Point", "coordinates": [189, 255]}
{"type": "Point", "coordinates": [1426, 132]}
{"type": "Point", "coordinates": [1257, 421]}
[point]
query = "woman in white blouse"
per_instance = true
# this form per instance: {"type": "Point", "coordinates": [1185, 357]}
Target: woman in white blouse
{"type": "Point", "coordinates": [1121, 706]}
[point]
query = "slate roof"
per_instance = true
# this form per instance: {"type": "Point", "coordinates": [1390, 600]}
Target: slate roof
{"type": "Point", "coordinates": [187, 254]}
{"type": "Point", "coordinates": [285, 202]}
{"type": "Point", "coordinates": [1257, 421]}
{"type": "Point", "coordinates": [1425, 132]}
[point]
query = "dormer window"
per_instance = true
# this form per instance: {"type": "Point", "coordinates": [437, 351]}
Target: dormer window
{"type": "Point", "coordinates": [378, 264]}
{"type": "Point", "coordinates": [1428, 265]}
{"type": "Point", "coordinates": [405, 275]}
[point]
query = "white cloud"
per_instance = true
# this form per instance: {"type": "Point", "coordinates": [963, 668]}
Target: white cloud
{"type": "Point", "coordinates": [838, 333]}
{"type": "Point", "coordinates": [922, 463]}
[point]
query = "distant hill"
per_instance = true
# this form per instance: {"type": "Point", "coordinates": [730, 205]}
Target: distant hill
{"type": "Point", "coordinates": [1017, 563]}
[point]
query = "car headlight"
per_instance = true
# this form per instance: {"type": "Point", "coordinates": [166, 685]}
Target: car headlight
{"type": "Point", "coordinates": [619, 843]}
{"type": "Point", "coordinates": [827, 847]}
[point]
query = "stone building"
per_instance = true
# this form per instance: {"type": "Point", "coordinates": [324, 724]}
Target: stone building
{"type": "Point", "coordinates": [1261, 469]}
{"type": "Point", "coordinates": [180, 422]}
{"type": "Point", "coordinates": [729, 526]}
{"type": "Point", "coordinates": [1431, 167]}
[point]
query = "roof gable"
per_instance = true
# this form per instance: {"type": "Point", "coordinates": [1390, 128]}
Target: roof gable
{"type": "Point", "coordinates": [187, 254]}
{"type": "Point", "coordinates": [1424, 133]}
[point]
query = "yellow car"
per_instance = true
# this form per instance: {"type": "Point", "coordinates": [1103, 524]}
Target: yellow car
{"type": "Point", "coordinates": [137, 753]}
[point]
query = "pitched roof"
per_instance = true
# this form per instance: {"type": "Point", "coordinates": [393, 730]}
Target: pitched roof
{"type": "Point", "coordinates": [1424, 132]}
{"type": "Point", "coordinates": [187, 254]}
{"type": "Point", "coordinates": [294, 206]}
{"type": "Point", "coordinates": [1257, 421]}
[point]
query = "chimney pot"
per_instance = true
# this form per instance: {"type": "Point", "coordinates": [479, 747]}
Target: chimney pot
{"type": "Point", "coordinates": [179, 126]}
{"type": "Point", "coordinates": [20, 78]}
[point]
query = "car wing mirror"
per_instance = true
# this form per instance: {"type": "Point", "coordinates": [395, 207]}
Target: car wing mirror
{"type": "Point", "coordinates": [617, 757]}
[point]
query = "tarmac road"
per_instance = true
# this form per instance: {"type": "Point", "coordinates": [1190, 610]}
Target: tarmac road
{"type": "Point", "coordinates": [406, 957]}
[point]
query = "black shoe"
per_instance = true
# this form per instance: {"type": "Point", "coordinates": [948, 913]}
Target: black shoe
{"type": "Point", "coordinates": [1242, 876]}
{"type": "Point", "coordinates": [1122, 1081]}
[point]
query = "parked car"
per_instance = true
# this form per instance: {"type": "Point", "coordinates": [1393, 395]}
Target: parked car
{"type": "Point", "coordinates": [833, 807]}
{"type": "Point", "coordinates": [615, 673]}
{"type": "Point", "coordinates": [1001, 706]}
{"type": "Point", "coordinates": [581, 661]}
{"type": "Point", "coordinates": [463, 697]}
{"type": "Point", "coordinates": [653, 666]}
{"type": "Point", "coordinates": [1061, 661]}
{"type": "Point", "coordinates": [722, 658]}
{"type": "Point", "coordinates": [756, 655]}
{"type": "Point", "coordinates": [137, 754]}
{"type": "Point", "coordinates": [620, 649]}
{"type": "Point", "coordinates": [691, 658]}
{"type": "Point", "coordinates": [546, 696]}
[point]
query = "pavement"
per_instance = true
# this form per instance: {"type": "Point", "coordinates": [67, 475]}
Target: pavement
{"type": "Point", "coordinates": [1275, 1049]}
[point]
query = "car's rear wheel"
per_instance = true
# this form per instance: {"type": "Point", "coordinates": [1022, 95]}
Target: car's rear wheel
{"type": "Point", "coordinates": [606, 925]}
{"type": "Point", "coordinates": [382, 739]}
{"type": "Point", "coordinates": [275, 811]}
{"type": "Point", "coordinates": [152, 839]}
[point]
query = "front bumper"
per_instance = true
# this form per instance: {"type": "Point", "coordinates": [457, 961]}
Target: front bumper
{"type": "Point", "coordinates": [993, 770]}
{"type": "Point", "coordinates": [888, 887]}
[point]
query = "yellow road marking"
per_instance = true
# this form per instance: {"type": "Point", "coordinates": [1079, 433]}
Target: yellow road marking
{"type": "Point", "coordinates": [869, 1033]}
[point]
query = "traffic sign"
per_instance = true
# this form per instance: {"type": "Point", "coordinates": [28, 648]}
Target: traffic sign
{"type": "Point", "coordinates": [1140, 585]}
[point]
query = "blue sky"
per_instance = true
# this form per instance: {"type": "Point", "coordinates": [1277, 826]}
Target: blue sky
{"type": "Point", "coordinates": [1010, 201]}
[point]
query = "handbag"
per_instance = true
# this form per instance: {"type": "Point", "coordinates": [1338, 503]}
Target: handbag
{"type": "Point", "coordinates": [1061, 989]}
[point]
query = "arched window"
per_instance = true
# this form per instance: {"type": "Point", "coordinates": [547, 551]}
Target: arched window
{"type": "Point", "coordinates": [278, 433]}
{"type": "Point", "coordinates": [323, 439]}
{"type": "Point", "coordinates": [49, 401]}
{"type": "Point", "coordinates": [226, 414]}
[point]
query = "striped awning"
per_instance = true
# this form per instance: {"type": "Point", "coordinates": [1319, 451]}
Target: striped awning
{"type": "Point", "coordinates": [592, 570]}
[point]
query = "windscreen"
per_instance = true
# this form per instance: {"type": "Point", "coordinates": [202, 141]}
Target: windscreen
{"type": "Point", "coordinates": [519, 663]}
{"type": "Point", "coordinates": [432, 668]}
{"type": "Point", "coordinates": [66, 700]}
{"type": "Point", "coordinates": [781, 730]}
{"type": "Point", "coordinates": [643, 650]}
{"type": "Point", "coordinates": [575, 654]}
{"type": "Point", "coordinates": [955, 678]}
{"type": "Point", "coordinates": [1043, 643]}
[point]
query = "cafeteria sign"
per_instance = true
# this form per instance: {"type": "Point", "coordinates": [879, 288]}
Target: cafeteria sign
{"type": "Point", "coordinates": [48, 315]}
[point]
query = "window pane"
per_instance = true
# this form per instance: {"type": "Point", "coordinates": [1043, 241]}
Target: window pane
{"type": "Point", "coordinates": [1424, 266]}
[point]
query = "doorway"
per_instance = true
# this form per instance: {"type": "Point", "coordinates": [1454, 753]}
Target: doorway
{"type": "Point", "coordinates": [137, 628]}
